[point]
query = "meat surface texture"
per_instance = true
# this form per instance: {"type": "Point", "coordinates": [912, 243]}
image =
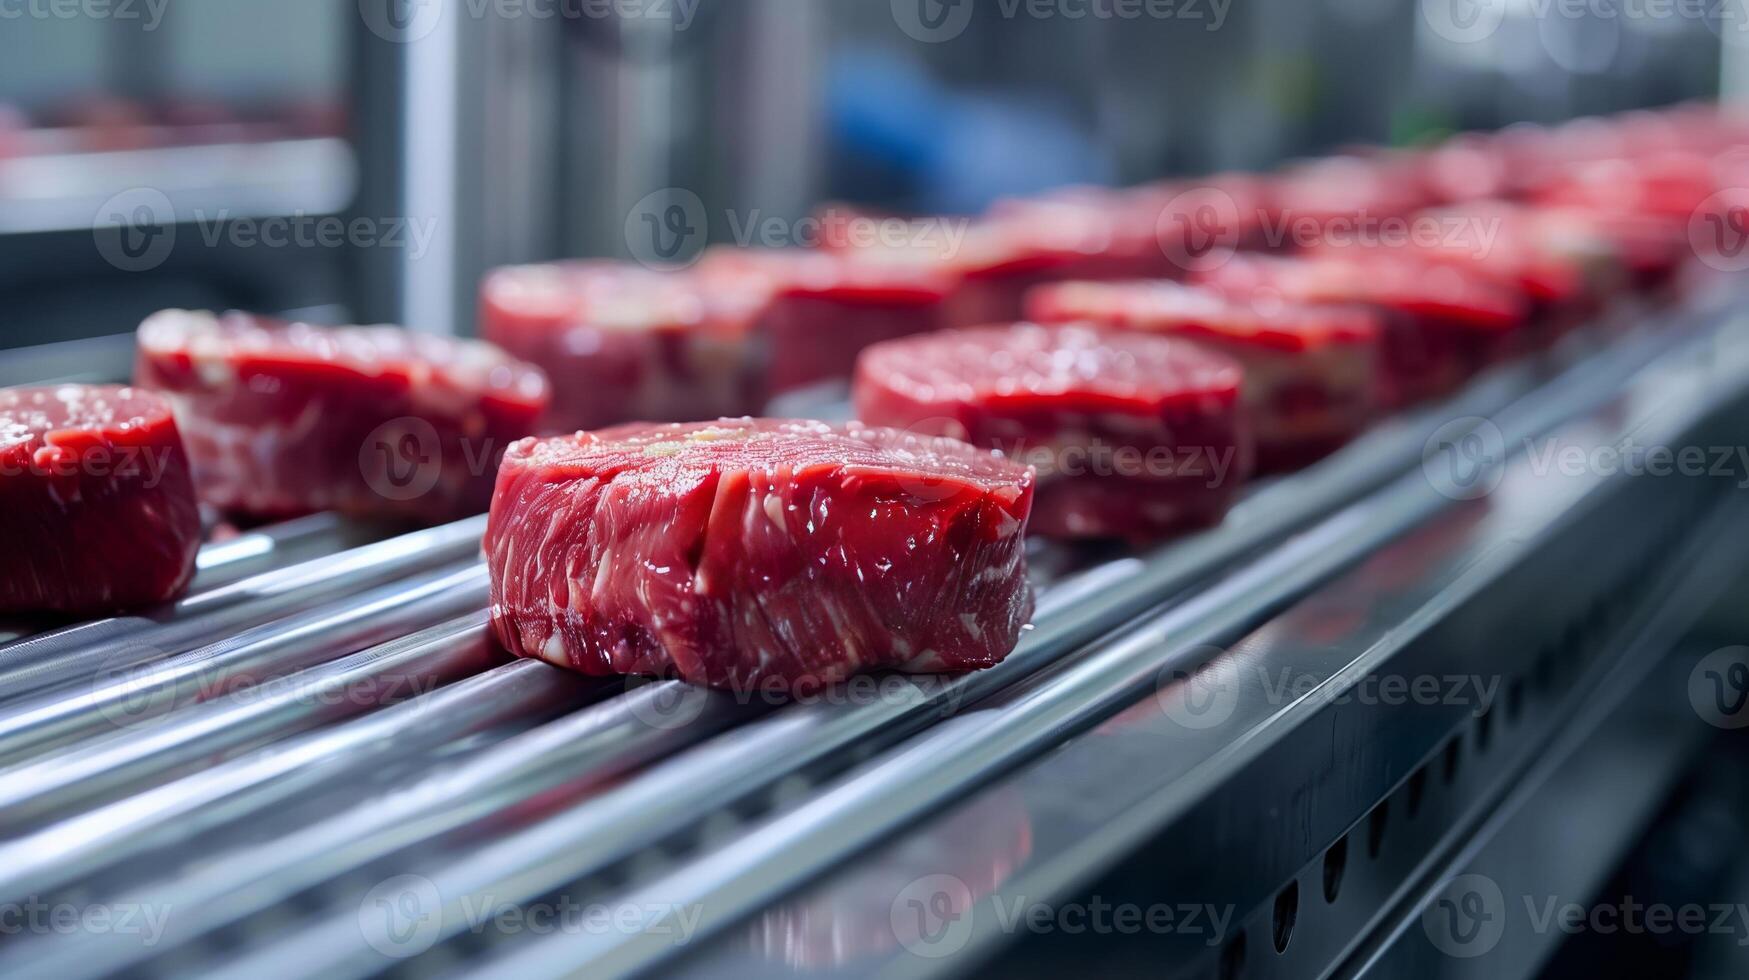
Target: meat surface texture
{"type": "Point", "coordinates": [758, 554]}
{"type": "Point", "coordinates": [1133, 436]}
{"type": "Point", "coordinates": [1441, 323]}
{"type": "Point", "coordinates": [96, 504]}
{"type": "Point", "coordinates": [1311, 372]}
{"type": "Point", "coordinates": [824, 307]}
{"type": "Point", "coordinates": [286, 419]}
{"type": "Point", "coordinates": [622, 342]}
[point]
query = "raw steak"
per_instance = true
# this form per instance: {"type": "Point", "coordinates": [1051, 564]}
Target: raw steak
{"type": "Point", "coordinates": [760, 553]}
{"type": "Point", "coordinates": [1311, 372]}
{"type": "Point", "coordinates": [992, 262]}
{"type": "Point", "coordinates": [1563, 270]}
{"type": "Point", "coordinates": [96, 505]}
{"type": "Point", "coordinates": [1134, 436]}
{"type": "Point", "coordinates": [1441, 324]}
{"type": "Point", "coordinates": [286, 419]}
{"type": "Point", "coordinates": [823, 307]}
{"type": "Point", "coordinates": [622, 342]}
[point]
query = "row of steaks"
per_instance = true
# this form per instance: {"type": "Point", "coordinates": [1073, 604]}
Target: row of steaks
{"type": "Point", "coordinates": [1094, 363]}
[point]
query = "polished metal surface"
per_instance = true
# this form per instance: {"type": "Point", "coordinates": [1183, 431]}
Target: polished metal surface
{"type": "Point", "coordinates": [75, 653]}
{"type": "Point", "coordinates": [100, 768]}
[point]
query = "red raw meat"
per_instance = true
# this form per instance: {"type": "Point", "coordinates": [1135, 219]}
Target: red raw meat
{"type": "Point", "coordinates": [1651, 249]}
{"type": "Point", "coordinates": [1563, 267]}
{"type": "Point", "coordinates": [1670, 185]}
{"type": "Point", "coordinates": [825, 307]}
{"type": "Point", "coordinates": [1311, 372]}
{"type": "Point", "coordinates": [1134, 436]}
{"type": "Point", "coordinates": [96, 504]}
{"type": "Point", "coordinates": [621, 342]}
{"type": "Point", "coordinates": [1467, 167]}
{"type": "Point", "coordinates": [285, 419]}
{"type": "Point", "coordinates": [1120, 220]}
{"type": "Point", "coordinates": [1198, 224]}
{"type": "Point", "coordinates": [991, 262]}
{"type": "Point", "coordinates": [762, 553]}
{"type": "Point", "coordinates": [1317, 201]}
{"type": "Point", "coordinates": [1160, 230]}
{"type": "Point", "coordinates": [1441, 323]}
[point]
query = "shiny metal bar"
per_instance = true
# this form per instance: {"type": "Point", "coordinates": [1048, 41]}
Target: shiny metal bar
{"type": "Point", "coordinates": [78, 652]}
{"type": "Point", "coordinates": [133, 696]}
{"type": "Point", "coordinates": [578, 752]}
{"type": "Point", "coordinates": [128, 760]}
{"type": "Point", "coordinates": [183, 810]}
{"type": "Point", "coordinates": [270, 547]}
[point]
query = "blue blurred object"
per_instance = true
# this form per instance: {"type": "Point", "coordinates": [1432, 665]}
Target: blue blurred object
{"type": "Point", "coordinates": [903, 139]}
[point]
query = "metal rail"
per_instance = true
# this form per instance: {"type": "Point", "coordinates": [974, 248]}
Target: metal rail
{"type": "Point", "coordinates": [74, 653]}
{"type": "Point", "coordinates": [104, 767]}
{"type": "Point", "coordinates": [133, 696]}
{"type": "Point", "coordinates": [524, 692]}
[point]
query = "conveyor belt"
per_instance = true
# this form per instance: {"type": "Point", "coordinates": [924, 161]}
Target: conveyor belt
{"type": "Point", "coordinates": [257, 758]}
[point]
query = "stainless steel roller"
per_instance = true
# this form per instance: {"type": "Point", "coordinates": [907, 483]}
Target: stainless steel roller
{"type": "Point", "coordinates": [117, 699]}
{"type": "Point", "coordinates": [76, 652]}
{"type": "Point", "coordinates": [129, 760]}
{"type": "Point", "coordinates": [525, 692]}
